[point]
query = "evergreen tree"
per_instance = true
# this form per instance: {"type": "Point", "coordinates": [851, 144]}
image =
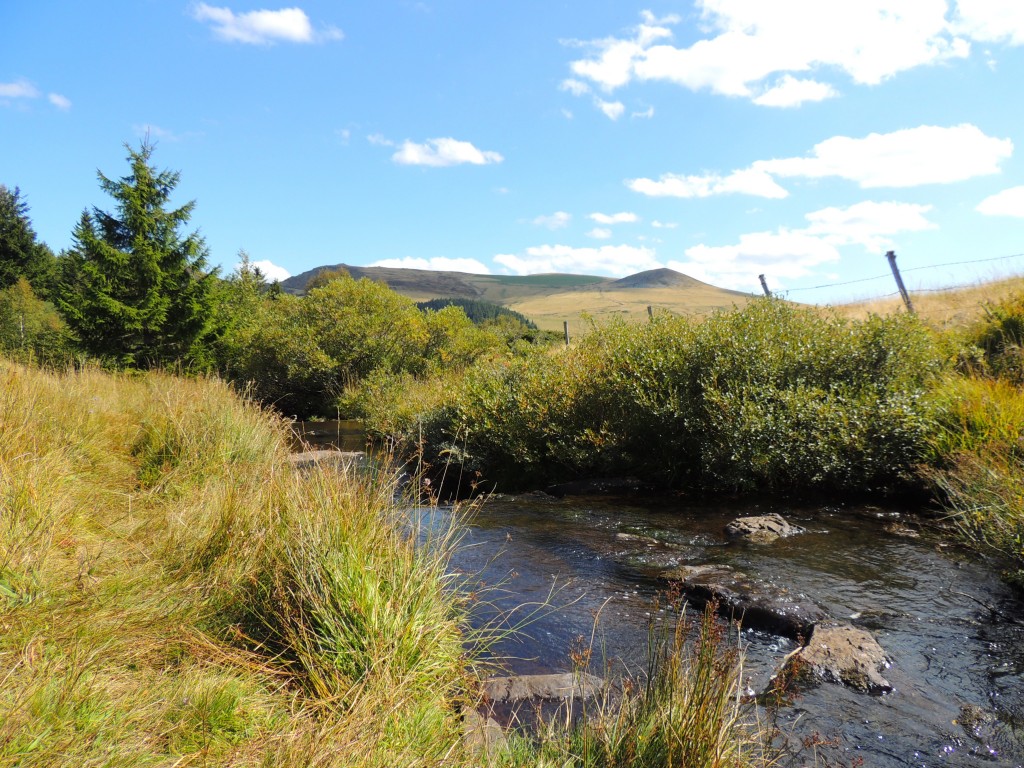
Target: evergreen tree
{"type": "Point", "coordinates": [20, 255]}
{"type": "Point", "coordinates": [137, 291]}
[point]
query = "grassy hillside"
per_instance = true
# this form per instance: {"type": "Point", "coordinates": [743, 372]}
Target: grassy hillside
{"type": "Point", "coordinates": [548, 300]}
{"type": "Point", "coordinates": [424, 284]}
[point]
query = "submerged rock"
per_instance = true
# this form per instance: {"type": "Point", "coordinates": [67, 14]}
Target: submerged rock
{"type": "Point", "coordinates": [762, 528]}
{"type": "Point", "coordinates": [841, 653]}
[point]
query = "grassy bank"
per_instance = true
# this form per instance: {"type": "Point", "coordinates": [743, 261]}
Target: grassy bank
{"type": "Point", "coordinates": [172, 592]}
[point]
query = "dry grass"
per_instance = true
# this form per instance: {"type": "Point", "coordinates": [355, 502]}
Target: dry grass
{"type": "Point", "coordinates": [548, 312]}
{"type": "Point", "coordinates": [944, 309]}
{"type": "Point", "coordinates": [144, 523]}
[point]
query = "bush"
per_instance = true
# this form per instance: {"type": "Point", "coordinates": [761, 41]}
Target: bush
{"type": "Point", "coordinates": [767, 397]}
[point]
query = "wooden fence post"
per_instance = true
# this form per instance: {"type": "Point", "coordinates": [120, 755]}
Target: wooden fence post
{"type": "Point", "coordinates": [650, 312]}
{"type": "Point", "coordinates": [764, 286]}
{"type": "Point", "coordinates": [891, 256]}
{"type": "Point", "coordinates": [565, 327]}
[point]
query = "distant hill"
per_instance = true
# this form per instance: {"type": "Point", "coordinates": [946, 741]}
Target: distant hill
{"type": "Point", "coordinates": [424, 284]}
{"type": "Point", "coordinates": [549, 300]}
{"type": "Point", "coordinates": [655, 278]}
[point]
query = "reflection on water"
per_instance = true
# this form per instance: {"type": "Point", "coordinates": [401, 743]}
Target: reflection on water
{"type": "Point", "coordinates": [940, 616]}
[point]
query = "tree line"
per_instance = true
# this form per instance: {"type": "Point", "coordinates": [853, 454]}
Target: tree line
{"type": "Point", "coordinates": [136, 290]}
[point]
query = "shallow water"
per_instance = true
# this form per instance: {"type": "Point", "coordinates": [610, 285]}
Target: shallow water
{"type": "Point", "coordinates": [942, 617]}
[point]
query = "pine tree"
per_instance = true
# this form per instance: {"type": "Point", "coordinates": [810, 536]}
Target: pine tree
{"type": "Point", "coordinates": [136, 291]}
{"type": "Point", "coordinates": [20, 255]}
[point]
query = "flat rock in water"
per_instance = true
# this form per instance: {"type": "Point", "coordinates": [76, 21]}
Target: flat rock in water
{"type": "Point", "coordinates": [762, 528]}
{"type": "Point", "coordinates": [343, 460]}
{"type": "Point", "coordinates": [755, 604]}
{"type": "Point", "coordinates": [841, 653]}
{"type": "Point", "coordinates": [525, 701]}
{"type": "Point", "coordinates": [565, 685]}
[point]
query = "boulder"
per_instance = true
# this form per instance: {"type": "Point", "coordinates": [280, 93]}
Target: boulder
{"type": "Point", "coordinates": [762, 528]}
{"type": "Point", "coordinates": [756, 605]}
{"type": "Point", "coordinates": [841, 653]}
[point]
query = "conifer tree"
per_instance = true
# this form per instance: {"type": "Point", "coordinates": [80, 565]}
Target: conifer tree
{"type": "Point", "coordinates": [21, 256]}
{"type": "Point", "coordinates": [137, 291]}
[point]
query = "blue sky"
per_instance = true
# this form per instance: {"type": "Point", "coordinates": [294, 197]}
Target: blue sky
{"type": "Point", "coordinates": [722, 138]}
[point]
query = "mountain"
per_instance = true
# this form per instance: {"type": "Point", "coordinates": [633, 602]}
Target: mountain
{"type": "Point", "coordinates": [549, 300]}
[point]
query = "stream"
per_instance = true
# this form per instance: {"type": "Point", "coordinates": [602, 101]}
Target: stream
{"type": "Point", "coordinates": [946, 622]}
{"type": "Point", "coordinates": [595, 567]}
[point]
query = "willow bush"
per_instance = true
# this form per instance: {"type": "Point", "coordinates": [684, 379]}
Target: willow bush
{"type": "Point", "coordinates": [771, 396]}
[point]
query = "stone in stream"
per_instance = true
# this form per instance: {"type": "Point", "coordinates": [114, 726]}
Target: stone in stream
{"type": "Point", "coordinates": [755, 605]}
{"type": "Point", "coordinates": [343, 460]}
{"type": "Point", "coordinates": [841, 653]}
{"type": "Point", "coordinates": [762, 528]}
{"type": "Point", "coordinates": [522, 701]}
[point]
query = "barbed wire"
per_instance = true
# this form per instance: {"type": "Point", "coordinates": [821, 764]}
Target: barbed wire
{"type": "Point", "coordinates": [904, 271]}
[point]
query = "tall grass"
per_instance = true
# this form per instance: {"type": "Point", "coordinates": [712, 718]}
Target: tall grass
{"type": "Point", "coordinates": [978, 441]}
{"type": "Point", "coordinates": [688, 711]}
{"type": "Point", "coordinates": [173, 592]}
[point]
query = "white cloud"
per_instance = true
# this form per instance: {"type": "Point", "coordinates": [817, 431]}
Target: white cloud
{"type": "Point", "coordinates": [435, 264]}
{"type": "Point", "coordinates": [614, 260]}
{"type": "Point", "coordinates": [612, 109]}
{"type": "Point", "coordinates": [868, 223]}
{"type": "Point", "coordinates": [380, 140]}
{"type": "Point", "coordinates": [664, 224]}
{"type": "Point", "coordinates": [557, 220]}
{"type": "Point", "coordinates": [290, 25]}
{"type": "Point", "coordinates": [647, 114]}
{"type": "Point", "coordinates": [575, 87]}
{"type": "Point", "coordinates": [600, 233]}
{"type": "Point", "coordinates": [1009, 202]}
{"type": "Point", "coordinates": [444, 152]}
{"type": "Point", "coordinates": [623, 217]}
{"type": "Point", "coordinates": [790, 92]}
{"type": "Point", "coordinates": [20, 89]}
{"type": "Point", "coordinates": [907, 158]}
{"type": "Point", "coordinates": [779, 255]}
{"type": "Point", "coordinates": [746, 182]}
{"type": "Point", "coordinates": [270, 270]}
{"type": "Point", "coordinates": [788, 254]}
{"type": "Point", "coordinates": [748, 42]}
{"type": "Point", "coordinates": [991, 20]}
{"type": "Point", "coordinates": [59, 101]}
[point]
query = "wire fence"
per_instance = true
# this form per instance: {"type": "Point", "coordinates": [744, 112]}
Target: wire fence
{"type": "Point", "coordinates": [963, 281]}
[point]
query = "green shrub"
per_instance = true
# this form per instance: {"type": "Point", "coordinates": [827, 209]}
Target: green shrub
{"type": "Point", "coordinates": [767, 397]}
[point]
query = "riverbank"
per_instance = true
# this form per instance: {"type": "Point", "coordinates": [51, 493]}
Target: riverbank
{"type": "Point", "coordinates": [175, 590]}
{"type": "Point", "coordinates": [171, 590]}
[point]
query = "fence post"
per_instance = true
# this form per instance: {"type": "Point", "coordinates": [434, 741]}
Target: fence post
{"type": "Point", "coordinates": [650, 312]}
{"type": "Point", "coordinates": [764, 286]}
{"type": "Point", "coordinates": [565, 327]}
{"type": "Point", "coordinates": [891, 256]}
